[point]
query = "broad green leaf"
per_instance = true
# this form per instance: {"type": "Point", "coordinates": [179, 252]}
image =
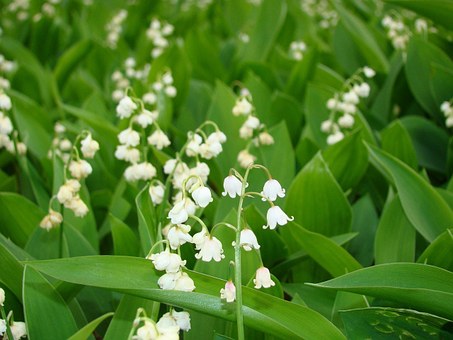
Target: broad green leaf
{"type": "Point", "coordinates": [147, 227]}
{"type": "Point", "coordinates": [432, 151]}
{"type": "Point", "coordinates": [408, 284]}
{"type": "Point", "coordinates": [284, 107]}
{"type": "Point", "coordinates": [335, 259]}
{"type": "Point", "coordinates": [392, 323]}
{"type": "Point", "coordinates": [43, 244]}
{"type": "Point", "coordinates": [301, 74]}
{"type": "Point", "coordinates": [439, 252]}
{"type": "Point", "coordinates": [36, 182]}
{"type": "Point", "coordinates": [316, 200]}
{"type": "Point", "coordinates": [363, 38]}
{"type": "Point", "coordinates": [395, 236]}
{"type": "Point", "coordinates": [125, 314]}
{"type": "Point", "coordinates": [348, 160]}
{"type": "Point", "coordinates": [40, 299]}
{"type": "Point", "coordinates": [86, 332]}
{"type": "Point", "coordinates": [438, 11]}
{"type": "Point", "coordinates": [124, 240]}
{"type": "Point", "coordinates": [423, 206]}
{"type": "Point", "coordinates": [18, 217]}
{"type": "Point", "coordinates": [12, 271]}
{"type": "Point", "coordinates": [69, 61]}
{"type": "Point", "coordinates": [420, 55]}
{"type": "Point", "coordinates": [136, 276]}
{"type": "Point", "coordinates": [397, 142]}
{"type": "Point", "coordinates": [263, 35]}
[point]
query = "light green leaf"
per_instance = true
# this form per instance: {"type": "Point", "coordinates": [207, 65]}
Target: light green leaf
{"type": "Point", "coordinates": [395, 236]}
{"type": "Point", "coordinates": [18, 217]}
{"type": "Point", "coordinates": [397, 142]}
{"type": "Point", "coordinates": [86, 332]}
{"type": "Point", "coordinates": [124, 240]}
{"type": "Point", "coordinates": [439, 252]}
{"type": "Point", "coordinates": [136, 276]}
{"type": "Point", "coordinates": [423, 206]}
{"type": "Point", "coordinates": [41, 299]}
{"type": "Point", "coordinates": [12, 271]}
{"type": "Point", "coordinates": [408, 284]}
{"type": "Point", "coordinates": [317, 202]}
{"type": "Point", "coordinates": [332, 257]}
{"type": "Point", "coordinates": [147, 227]}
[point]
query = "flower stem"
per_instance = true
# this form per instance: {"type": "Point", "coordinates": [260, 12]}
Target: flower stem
{"type": "Point", "coordinates": [8, 329]}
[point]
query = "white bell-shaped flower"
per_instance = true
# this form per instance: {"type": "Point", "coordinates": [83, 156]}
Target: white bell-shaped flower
{"type": "Point", "coordinates": [275, 215]}
{"type": "Point", "coordinates": [232, 186]}
{"type": "Point", "coordinates": [369, 72]}
{"type": "Point", "coordinates": [80, 169]}
{"type": "Point", "coordinates": [68, 190]}
{"type": "Point", "coordinates": [272, 189]}
{"type": "Point", "coordinates": [144, 171]}
{"type": "Point", "coordinates": [159, 139]}
{"type": "Point", "coordinates": [263, 278]}
{"type": "Point", "coordinates": [2, 297]}
{"type": "Point", "coordinates": [167, 261]}
{"type": "Point", "coordinates": [51, 220]}
{"type": "Point", "coordinates": [89, 146]}
{"type": "Point", "coordinates": [129, 137]}
{"type": "Point", "coordinates": [210, 249]}
{"type": "Point", "coordinates": [167, 326]}
{"type": "Point", "coordinates": [5, 102]}
{"type": "Point", "coordinates": [184, 283]}
{"type": "Point", "coordinates": [178, 235]}
{"type": "Point", "coordinates": [146, 118]}
{"type": "Point", "coordinates": [125, 107]}
{"type": "Point", "coordinates": [335, 137]}
{"type": "Point", "coordinates": [156, 192]}
{"type": "Point", "coordinates": [202, 196]}
{"type": "Point", "coordinates": [229, 292]}
{"type": "Point", "coordinates": [193, 147]}
{"type": "Point", "coordinates": [242, 107]}
{"type": "Point", "coordinates": [6, 126]}
{"type": "Point", "coordinates": [181, 211]}
{"type": "Point", "coordinates": [127, 153]}
{"type": "Point", "coordinates": [147, 331]}
{"type": "Point", "coordinates": [248, 240]}
{"type": "Point", "coordinates": [245, 158]}
{"type": "Point", "coordinates": [346, 121]}
{"type": "Point", "coordinates": [78, 207]}
{"type": "Point", "coordinates": [182, 319]}
{"type": "Point", "coordinates": [362, 90]}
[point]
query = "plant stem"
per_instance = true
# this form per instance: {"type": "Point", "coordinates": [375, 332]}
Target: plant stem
{"type": "Point", "coordinates": [8, 329]}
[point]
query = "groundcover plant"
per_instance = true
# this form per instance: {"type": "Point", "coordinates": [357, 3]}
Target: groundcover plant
{"type": "Point", "coordinates": [226, 169]}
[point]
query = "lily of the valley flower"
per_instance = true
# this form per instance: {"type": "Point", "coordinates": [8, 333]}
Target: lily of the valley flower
{"type": "Point", "coordinates": [170, 262]}
{"type": "Point", "coordinates": [202, 196]}
{"type": "Point", "coordinates": [125, 107]}
{"type": "Point", "coordinates": [272, 188]}
{"type": "Point", "coordinates": [159, 139]}
{"type": "Point", "coordinates": [263, 278]}
{"type": "Point", "coordinates": [2, 297]}
{"type": "Point", "coordinates": [144, 171]}
{"type": "Point", "coordinates": [275, 215]}
{"type": "Point", "coordinates": [229, 292]}
{"type": "Point", "coordinates": [80, 169]}
{"type": "Point", "coordinates": [129, 137]}
{"type": "Point", "coordinates": [182, 319]}
{"type": "Point", "coordinates": [248, 240]}
{"type": "Point", "coordinates": [245, 158]}
{"type": "Point", "coordinates": [232, 186]}
{"type": "Point", "coordinates": [181, 211]}
{"type": "Point", "coordinates": [156, 192]}
{"type": "Point", "coordinates": [89, 146]}
{"type": "Point", "coordinates": [176, 281]}
{"type": "Point", "coordinates": [51, 220]}
{"type": "Point", "coordinates": [210, 248]}
{"type": "Point", "coordinates": [178, 235]}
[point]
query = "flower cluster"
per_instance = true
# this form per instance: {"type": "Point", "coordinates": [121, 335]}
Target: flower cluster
{"type": "Point", "coordinates": [114, 28]}
{"type": "Point", "coordinates": [235, 185]}
{"type": "Point", "coordinates": [8, 136]}
{"type": "Point", "coordinates": [297, 49]}
{"type": "Point", "coordinates": [23, 10]}
{"type": "Point", "coordinates": [20, 8]}
{"type": "Point", "coordinates": [167, 327]}
{"type": "Point", "coordinates": [17, 329]}
{"type": "Point", "coordinates": [447, 110]}
{"type": "Point", "coordinates": [159, 32]}
{"type": "Point", "coordinates": [196, 4]}
{"type": "Point", "coordinates": [61, 145]}
{"type": "Point", "coordinates": [252, 129]}
{"type": "Point", "coordinates": [397, 31]}
{"type": "Point", "coordinates": [131, 147]}
{"type": "Point", "coordinates": [78, 168]}
{"type": "Point", "coordinates": [321, 11]}
{"type": "Point", "coordinates": [48, 9]}
{"type": "Point", "coordinates": [343, 105]}
{"type": "Point", "coordinates": [123, 80]}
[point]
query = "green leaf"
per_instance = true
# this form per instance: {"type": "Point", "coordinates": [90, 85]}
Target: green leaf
{"type": "Point", "coordinates": [86, 332]}
{"type": "Point", "coordinates": [136, 276]}
{"type": "Point", "coordinates": [336, 260]}
{"type": "Point", "coordinates": [263, 35]}
{"type": "Point", "coordinates": [316, 200]}
{"type": "Point", "coordinates": [424, 207]}
{"type": "Point", "coordinates": [12, 271]}
{"type": "Point", "coordinates": [124, 240]}
{"type": "Point", "coordinates": [395, 236]}
{"type": "Point", "coordinates": [348, 160]}
{"type": "Point", "coordinates": [301, 74]}
{"type": "Point", "coordinates": [419, 73]}
{"type": "Point", "coordinates": [147, 227]}
{"type": "Point", "coordinates": [40, 299]}
{"type": "Point", "coordinates": [439, 252]}
{"type": "Point", "coordinates": [69, 61]}
{"type": "Point", "coordinates": [438, 11]}
{"type": "Point", "coordinates": [125, 314]}
{"type": "Point", "coordinates": [363, 38]}
{"type": "Point", "coordinates": [18, 217]}
{"type": "Point", "coordinates": [408, 284]}
{"type": "Point", "coordinates": [397, 142]}
{"type": "Point", "coordinates": [391, 323]}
